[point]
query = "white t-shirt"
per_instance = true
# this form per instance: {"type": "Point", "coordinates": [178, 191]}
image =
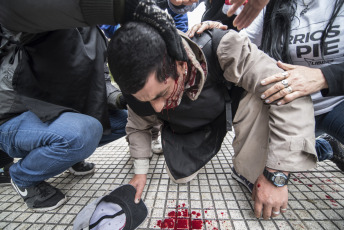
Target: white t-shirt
{"type": "Point", "coordinates": [304, 42]}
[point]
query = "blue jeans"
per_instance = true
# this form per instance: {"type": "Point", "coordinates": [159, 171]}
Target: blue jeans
{"type": "Point", "coordinates": [47, 149]}
{"type": "Point", "coordinates": [331, 123]}
{"type": "Point", "coordinates": [118, 121]}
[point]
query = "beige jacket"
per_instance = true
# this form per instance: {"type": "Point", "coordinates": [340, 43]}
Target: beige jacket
{"type": "Point", "coordinates": [280, 137]}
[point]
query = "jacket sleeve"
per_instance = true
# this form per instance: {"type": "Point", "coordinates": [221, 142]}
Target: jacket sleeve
{"type": "Point", "coordinates": [47, 15]}
{"type": "Point", "coordinates": [139, 137]}
{"type": "Point", "coordinates": [290, 139]}
{"type": "Point", "coordinates": [334, 75]}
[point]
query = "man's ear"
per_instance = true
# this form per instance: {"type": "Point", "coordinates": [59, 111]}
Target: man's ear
{"type": "Point", "coordinates": [181, 66]}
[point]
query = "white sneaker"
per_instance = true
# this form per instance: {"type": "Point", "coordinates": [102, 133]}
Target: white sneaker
{"type": "Point", "coordinates": [156, 146]}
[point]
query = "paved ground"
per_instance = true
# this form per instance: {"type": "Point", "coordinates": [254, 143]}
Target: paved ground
{"type": "Point", "coordinates": [212, 201]}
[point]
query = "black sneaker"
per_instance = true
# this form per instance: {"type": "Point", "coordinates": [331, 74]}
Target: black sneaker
{"type": "Point", "coordinates": [242, 180]}
{"type": "Point", "coordinates": [82, 168]}
{"type": "Point", "coordinates": [337, 148]}
{"type": "Point", "coordinates": [41, 197]}
{"type": "Point", "coordinates": [5, 177]}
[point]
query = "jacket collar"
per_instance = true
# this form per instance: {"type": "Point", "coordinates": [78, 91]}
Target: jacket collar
{"type": "Point", "coordinates": [199, 68]}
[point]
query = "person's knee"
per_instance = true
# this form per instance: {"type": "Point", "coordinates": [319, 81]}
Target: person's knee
{"type": "Point", "coordinates": [82, 137]}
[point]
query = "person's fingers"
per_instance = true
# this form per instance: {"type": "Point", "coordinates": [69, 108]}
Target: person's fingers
{"type": "Point", "coordinates": [280, 94]}
{"type": "Point", "coordinates": [258, 206]}
{"type": "Point", "coordinates": [222, 27]}
{"type": "Point", "coordinates": [235, 5]}
{"type": "Point", "coordinates": [284, 207]}
{"type": "Point", "coordinates": [191, 32]}
{"type": "Point", "coordinates": [285, 66]}
{"type": "Point", "coordinates": [275, 212]}
{"type": "Point", "coordinates": [241, 18]}
{"type": "Point", "coordinates": [139, 190]}
{"type": "Point", "coordinates": [290, 97]}
{"type": "Point", "coordinates": [276, 91]}
{"type": "Point", "coordinates": [206, 25]}
{"type": "Point", "coordinates": [267, 212]}
{"type": "Point", "coordinates": [249, 12]}
{"type": "Point", "coordinates": [203, 26]}
{"type": "Point", "coordinates": [275, 78]}
{"type": "Point", "coordinates": [247, 20]}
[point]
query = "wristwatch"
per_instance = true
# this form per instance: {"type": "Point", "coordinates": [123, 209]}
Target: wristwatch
{"type": "Point", "coordinates": [279, 179]}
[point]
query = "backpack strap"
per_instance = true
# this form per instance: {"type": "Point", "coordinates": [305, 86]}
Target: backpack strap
{"type": "Point", "coordinates": [209, 41]}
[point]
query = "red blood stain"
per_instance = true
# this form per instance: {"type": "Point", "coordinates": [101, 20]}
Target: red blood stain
{"type": "Point", "coordinates": [172, 214]}
{"type": "Point", "coordinates": [294, 179]}
{"type": "Point", "coordinates": [310, 185]}
{"type": "Point", "coordinates": [182, 223]}
{"type": "Point", "coordinates": [169, 223]}
{"type": "Point", "coordinates": [181, 220]}
{"type": "Point", "coordinates": [328, 197]}
{"type": "Point", "coordinates": [196, 224]}
{"type": "Point", "coordinates": [258, 185]}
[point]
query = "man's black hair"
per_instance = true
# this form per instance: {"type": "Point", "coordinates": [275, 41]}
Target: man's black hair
{"type": "Point", "coordinates": [135, 51]}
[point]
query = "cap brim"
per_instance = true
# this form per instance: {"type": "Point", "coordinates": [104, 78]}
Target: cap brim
{"type": "Point", "coordinates": [125, 196]}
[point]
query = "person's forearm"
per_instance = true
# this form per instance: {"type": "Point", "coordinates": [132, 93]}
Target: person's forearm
{"type": "Point", "coordinates": [41, 15]}
{"type": "Point", "coordinates": [334, 75]}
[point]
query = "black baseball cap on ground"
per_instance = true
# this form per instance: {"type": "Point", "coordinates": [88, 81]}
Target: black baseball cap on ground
{"type": "Point", "coordinates": [114, 211]}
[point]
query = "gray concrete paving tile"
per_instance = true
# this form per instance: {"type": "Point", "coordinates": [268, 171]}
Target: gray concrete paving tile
{"type": "Point", "coordinates": [213, 200]}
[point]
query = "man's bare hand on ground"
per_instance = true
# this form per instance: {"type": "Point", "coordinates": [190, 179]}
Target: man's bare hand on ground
{"type": "Point", "coordinates": [269, 200]}
{"type": "Point", "coordinates": [139, 182]}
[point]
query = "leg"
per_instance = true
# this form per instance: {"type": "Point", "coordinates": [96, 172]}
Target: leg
{"type": "Point", "coordinates": [332, 123]}
{"type": "Point", "coordinates": [5, 159]}
{"type": "Point", "coordinates": [323, 149]}
{"type": "Point", "coordinates": [156, 139]}
{"type": "Point", "coordinates": [118, 121]}
{"type": "Point", "coordinates": [265, 136]}
{"type": "Point", "coordinates": [5, 163]}
{"type": "Point", "coordinates": [47, 149]}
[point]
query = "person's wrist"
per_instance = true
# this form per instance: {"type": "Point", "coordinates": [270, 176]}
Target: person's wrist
{"type": "Point", "coordinates": [276, 170]}
{"type": "Point", "coordinates": [323, 81]}
{"type": "Point", "coordinates": [276, 177]}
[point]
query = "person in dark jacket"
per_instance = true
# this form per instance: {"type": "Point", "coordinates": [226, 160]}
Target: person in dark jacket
{"type": "Point", "coordinates": [190, 89]}
{"type": "Point", "coordinates": [54, 108]}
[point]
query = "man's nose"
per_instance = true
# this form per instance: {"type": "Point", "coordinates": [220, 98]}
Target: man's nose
{"type": "Point", "coordinates": [158, 105]}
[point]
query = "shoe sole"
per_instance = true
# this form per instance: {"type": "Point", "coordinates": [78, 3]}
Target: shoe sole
{"type": "Point", "coordinates": [76, 173]}
{"type": "Point", "coordinates": [5, 183]}
{"type": "Point", "coordinates": [237, 178]}
{"type": "Point", "coordinates": [158, 152]}
{"type": "Point", "coordinates": [61, 202]}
